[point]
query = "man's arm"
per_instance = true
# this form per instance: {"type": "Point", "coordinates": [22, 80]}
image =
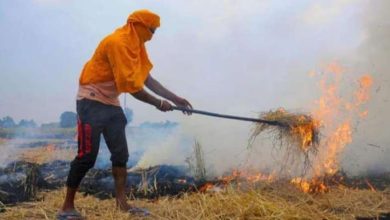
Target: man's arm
{"type": "Point", "coordinates": [144, 96]}
{"type": "Point", "coordinates": [160, 90]}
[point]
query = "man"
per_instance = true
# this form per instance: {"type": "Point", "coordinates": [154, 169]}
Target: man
{"type": "Point", "coordinates": [120, 64]}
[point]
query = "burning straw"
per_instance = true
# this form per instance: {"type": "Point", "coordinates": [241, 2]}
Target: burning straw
{"type": "Point", "coordinates": [298, 133]}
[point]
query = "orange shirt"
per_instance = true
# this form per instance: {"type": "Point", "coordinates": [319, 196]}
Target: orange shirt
{"type": "Point", "coordinates": [120, 58]}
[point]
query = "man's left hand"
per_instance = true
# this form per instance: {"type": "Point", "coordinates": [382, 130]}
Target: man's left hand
{"type": "Point", "coordinates": [181, 102]}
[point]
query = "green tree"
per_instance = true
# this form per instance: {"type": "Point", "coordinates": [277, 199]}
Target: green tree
{"type": "Point", "coordinates": [7, 122]}
{"type": "Point", "coordinates": [68, 120]}
{"type": "Point", "coordinates": [27, 123]}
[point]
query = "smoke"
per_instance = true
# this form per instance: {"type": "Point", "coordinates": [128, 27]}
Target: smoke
{"type": "Point", "coordinates": [370, 149]}
{"type": "Point", "coordinates": [255, 69]}
{"type": "Point", "coordinates": [9, 152]}
{"type": "Point", "coordinates": [149, 145]}
{"type": "Point", "coordinates": [169, 151]}
{"type": "Point", "coordinates": [222, 141]}
{"type": "Point", "coordinates": [232, 57]}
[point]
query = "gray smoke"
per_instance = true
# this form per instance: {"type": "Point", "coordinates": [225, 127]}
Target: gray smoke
{"type": "Point", "coordinates": [249, 76]}
{"type": "Point", "coordinates": [370, 151]}
{"type": "Point", "coordinates": [232, 57]}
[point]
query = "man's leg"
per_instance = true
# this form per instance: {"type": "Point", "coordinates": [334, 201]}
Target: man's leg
{"type": "Point", "coordinates": [88, 147]}
{"type": "Point", "coordinates": [115, 136]}
{"type": "Point", "coordinates": [69, 200]}
{"type": "Point", "coordinates": [76, 174]}
{"type": "Point", "coordinates": [120, 177]}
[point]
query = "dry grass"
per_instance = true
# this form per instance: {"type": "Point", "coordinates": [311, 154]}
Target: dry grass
{"type": "Point", "coordinates": [265, 201]}
{"type": "Point", "coordinates": [298, 137]}
{"type": "Point", "coordinates": [274, 201]}
{"type": "Point", "coordinates": [46, 154]}
{"type": "Point", "coordinates": [40, 154]}
{"type": "Point", "coordinates": [3, 141]}
{"type": "Point", "coordinates": [296, 129]}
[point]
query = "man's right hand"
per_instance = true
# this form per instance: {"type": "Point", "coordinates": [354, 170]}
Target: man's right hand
{"type": "Point", "coordinates": [164, 106]}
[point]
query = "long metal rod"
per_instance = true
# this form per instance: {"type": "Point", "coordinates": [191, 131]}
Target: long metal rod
{"type": "Point", "coordinates": [276, 123]}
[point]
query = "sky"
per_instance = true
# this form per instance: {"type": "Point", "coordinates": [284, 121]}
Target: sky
{"type": "Point", "coordinates": [226, 56]}
{"type": "Point", "coordinates": [216, 56]}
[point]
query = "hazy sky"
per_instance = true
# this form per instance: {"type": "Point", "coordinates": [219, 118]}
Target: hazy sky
{"type": "Point", "coordinates": [229, 56]}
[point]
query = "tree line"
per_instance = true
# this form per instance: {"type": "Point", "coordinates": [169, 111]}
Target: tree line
{"type": "Point", "coordinates": [67, 119]}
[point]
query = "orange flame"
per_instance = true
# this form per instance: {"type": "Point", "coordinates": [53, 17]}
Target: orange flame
{"type": "Point", "coordinates": [362, 94]}
{"type": "Point", "coordinates": [246, 176]}
{"type": "Point", "coordinates": [336, 114]}
{"type": "Point", "coordinates": [310, 186]}
{"type": "Point", "coordinates": [50, 147]}
{"type": "Point", "coordinates": [305, 133]}
{"type": "Point", "coordinates": [206, 187]}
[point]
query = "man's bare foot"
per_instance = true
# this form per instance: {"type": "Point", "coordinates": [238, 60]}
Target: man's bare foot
{"type": "Point", "coordinates": [123, 205]}
{"type": "Point", "coordinates": [68, 208]}
{"type": "Point", "coordinates": [69, 215]}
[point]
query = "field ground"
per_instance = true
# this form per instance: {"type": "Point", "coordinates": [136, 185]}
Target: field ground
{"type": "Point", "coordinates": [263, 201]}
{"type": "Point", "coordinates": [266, 201]}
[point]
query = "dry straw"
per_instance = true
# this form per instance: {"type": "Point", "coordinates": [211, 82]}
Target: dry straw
{"type": "Point", "coordinates": [265, 201]}
{"type": "Point", "coordinates": [297, 135]}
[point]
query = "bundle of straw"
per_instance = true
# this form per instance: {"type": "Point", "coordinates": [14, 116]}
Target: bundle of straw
{"type": "Point", "coordinates": [298, 132]}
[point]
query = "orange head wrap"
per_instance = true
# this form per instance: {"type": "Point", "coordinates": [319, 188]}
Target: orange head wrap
{"type": "Point", "coordinates": [128, 63]}
{"type": "Point", "coordinates": [142, 21]}
{"type": "Point", "coordinates": [145, 17]}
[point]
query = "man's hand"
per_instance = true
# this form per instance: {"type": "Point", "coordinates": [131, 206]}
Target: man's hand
{"type": "Point", "coordinates": [160, 90]}
{"type": "Point", "coordinates": [160, 104]}
{"type": "Point", "coordinates": [164, 106]}
{"type": "Point", "coordinates": [180, 102]}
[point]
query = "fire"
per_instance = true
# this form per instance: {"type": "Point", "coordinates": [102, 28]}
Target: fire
{"type": "Point", "coordinates": [238, 178]}
{"type": "Point", "coordinates": [301, 130]}
{"type": "Point", "coordinates": [206, 187]}
{"type": "Point", "coordinates": [362, 94]}
{"type": "Point", "coordinates": [306, 132]}
{"type": "Point", "coordinates": [363, 114]}
{"type": "Point", "coordinates": [334, 68]}
{"type": "Point", "coordinates": [310, 186]}
{"type": "Point", "coordinates": [259, 177]}
{"type": "Point", "coordinates": [335, 145]}
{"type": "Point", "coordinates": [227, 179]}
{"type": "Point", "coordinates": [50, 147]}
{"type": "Point", "coordinates": [245, 176]}
{"type": "Point", "coordinates": [336, 114]}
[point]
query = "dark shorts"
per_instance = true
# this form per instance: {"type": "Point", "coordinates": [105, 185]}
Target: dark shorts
{"type": "Point", "coordinates": [95, 119]}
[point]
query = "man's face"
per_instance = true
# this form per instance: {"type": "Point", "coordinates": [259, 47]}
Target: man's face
{"type": "Point", "coordinates": [144, 33]}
